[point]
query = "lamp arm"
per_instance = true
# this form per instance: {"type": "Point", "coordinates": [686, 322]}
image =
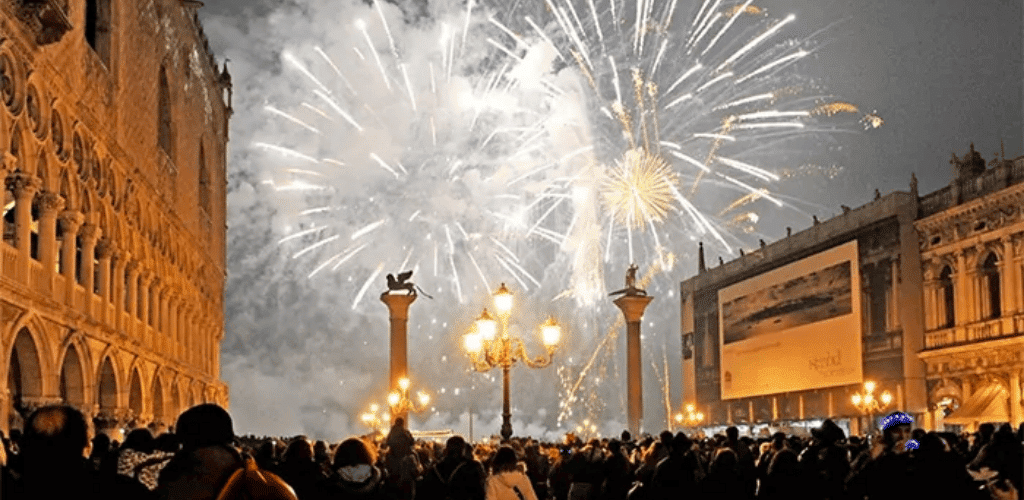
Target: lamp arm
{"type": "Point", "coordinates": [535, 362]}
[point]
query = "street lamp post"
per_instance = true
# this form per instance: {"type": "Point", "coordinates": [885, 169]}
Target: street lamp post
{"type": "Point", "coordinates": [868, 404]}
{"type": "Point", "coordinates": [374, 419]}
{"type": "Point", "coordinates": [400, 403]}
{"type": "Point", "coordinates": [691, 417]}
{"type": "Point", "coordinates": [488, 349]}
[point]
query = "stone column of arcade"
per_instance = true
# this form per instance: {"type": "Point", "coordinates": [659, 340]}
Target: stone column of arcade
{"type": "Point", "coordinates": [633, 304]}
{"type": "Point", "coordinates": [398, 306]}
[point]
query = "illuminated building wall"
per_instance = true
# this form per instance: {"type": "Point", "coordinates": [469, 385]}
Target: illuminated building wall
{"type": "Point", "coordinates": [113, 142]}
{"type": "Point", "coordinates": [877, 330]}
{"type": "Point", "coordinates": [972, 249]}
{"type": "Point", "coordinates": [941, 287]}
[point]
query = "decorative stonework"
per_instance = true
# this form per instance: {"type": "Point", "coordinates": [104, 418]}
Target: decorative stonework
{"type": "Point", "coordinates": [10, 84]}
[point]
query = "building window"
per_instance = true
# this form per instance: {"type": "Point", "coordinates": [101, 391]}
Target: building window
{"type": "Point", "coordinates": [946, 304]}
{"type": "Point", "coordinates": [879, 293]}
{"type": "Point", "coordinates": [990, 284]}
{"type": "Point", "coordinates": [97, 28]}
{"type": "Point", "coordinates": [204, 182]}
{"type": "Point", "coordinates": [164, 114]}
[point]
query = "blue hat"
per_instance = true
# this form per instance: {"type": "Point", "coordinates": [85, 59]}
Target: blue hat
{"type": "Point", "coordinates": [895, 418]}
{"type": "Point", "coordinates": [912, 444]}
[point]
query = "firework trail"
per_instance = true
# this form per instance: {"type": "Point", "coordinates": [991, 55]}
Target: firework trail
{"type": "Point", "coordinates": [537, 140]}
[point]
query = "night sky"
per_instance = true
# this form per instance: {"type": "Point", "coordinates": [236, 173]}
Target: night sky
{"type": "Point", "coordinates": [940, 73]}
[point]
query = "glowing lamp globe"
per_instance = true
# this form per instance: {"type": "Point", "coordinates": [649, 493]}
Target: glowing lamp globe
{"type": "Point", "coordinates": [486, 326]}
{"type": "Point", "coordinates": [869, 386]}
{"type": "Point", "coordinates": [403, 383]}
{"type": "Point", "coordinates": [473, 343]}
{"type": "Point", "coordinates": [394, 398]}
{"type": "Point", "coordinates": [551, 333]}
{"type": "Point", "coordinates": [503, 300]}
{"type": "Point", "coordinates": [886, 398]}
{"type": "Point", "coordinates": [856, 399]}
{"type": "Point", "coordinates": [424, 398]}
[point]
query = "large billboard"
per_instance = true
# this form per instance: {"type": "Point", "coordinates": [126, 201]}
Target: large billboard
{"type": "Point", "coordinates": [793, 328]}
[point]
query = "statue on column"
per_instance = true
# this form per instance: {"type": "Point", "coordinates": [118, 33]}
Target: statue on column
{"type": "Point", "coordinates": [631, 288]}
{"type": "Point", "coordinates": [402, 283]}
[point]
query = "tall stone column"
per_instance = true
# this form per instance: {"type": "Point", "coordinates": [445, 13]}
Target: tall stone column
{"type": "Point", "coordinates": [120, 269]}
{"type": "Point", "coordinates": [962, 297]}
{"type": "Point", "coordinates": [1009, 283]}
{"type": "Point", "coordinates": [633, 307]}
{"type": "Point", "coordinates": [50, 205]}
{"type": "Point", "coordinates": [1015, 410]}
{"type": "Point", "coordinates": [25, 188]}
{"type": "Point", "coordinates": [70, 221]}
{"type": "Point", "coordinates": [90, 234]}
{"type": "Point", "coordinates": [398, 309]}
{"type": "Point", "coordinates": [132, 268]}
{"type": "Point", "coordinates": [104, 251]}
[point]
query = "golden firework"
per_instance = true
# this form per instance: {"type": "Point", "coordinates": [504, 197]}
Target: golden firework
{"type": "Point", "coordinates": [738, 9]}
{"type": "Point", "coordinates": [831, 108]}
{"type": "Point", "coordinates": [872, 120]}
{"type": "Point", "coordinates": [639, 190]}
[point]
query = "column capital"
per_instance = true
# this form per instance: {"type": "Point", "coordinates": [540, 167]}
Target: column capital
{"type": "Point", "coordinates": [8, 162]}
{"type": "Point", "coordinates": [398, 304]}
{"type": "Point", "coordinates": [51, 203]}
{"type": "Point", "coordinates": [90, 233]}
{"type": "Point", "coordinates": [71, 220]}
{"type": "Point", "coordinates": [24, 185]}
{"type": "Point", "coordinates": [104, 248]}
{"type": "Point", "coordinates": [633, 306]}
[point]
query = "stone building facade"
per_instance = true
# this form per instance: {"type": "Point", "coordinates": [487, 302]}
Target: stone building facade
{"type": "Point", "coordinates": [941, 307]}
{"type": "Point", "coordinates": [972, 250]}
{"type": "Point", "coordinates": [113, 146]}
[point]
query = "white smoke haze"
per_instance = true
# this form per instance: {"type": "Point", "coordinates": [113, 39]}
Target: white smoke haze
{"type": "Point", "coordinates": [465, 164]}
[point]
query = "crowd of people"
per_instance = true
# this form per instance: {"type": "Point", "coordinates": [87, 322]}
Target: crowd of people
{"type": "Point", "coordinates": [202, 459]}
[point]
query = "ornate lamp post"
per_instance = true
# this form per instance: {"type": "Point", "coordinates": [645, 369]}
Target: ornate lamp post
{"type": "Point", "coordinates": [691, 417]}
{"type": "Point", "coordinates": [400, 403]}
{"type": "Point", "coordinates": [868, 404]}
{"type": "Point", "coordinates": [375, 420]}
{"type": "Point", "coordinates": [488, 349]}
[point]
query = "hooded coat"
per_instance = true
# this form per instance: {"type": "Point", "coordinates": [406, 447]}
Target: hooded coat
{"type": "Point", "coordinates": [510, 485]}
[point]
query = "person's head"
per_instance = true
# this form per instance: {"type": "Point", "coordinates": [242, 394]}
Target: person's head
{"type": "Point", "coordinates": [778, 440]}
{"type": "Point", "coordinates": [896, 427]}
{"type": "Point", "coordinates": [140, 440]}
{"type": "Point", "coordinates": [732, 433]}
{"type": "Point", "coordinates": [353, 451]}
{"type": "Point", "coordinates": [627, 437]}
{"type": "Point", "coordinates": [828, 432]}
{"type": "Point", "coordinates": [783, 462]}
{"type": "Point", "coordinates": [54, 434]}
{"type": "Point", "coordinates": [298, 451]}
{"type": "Point", "coordinates": [505, 460]}
{"type": "Point", "coordinates": [204, 425]}
{"type": "Point", "coordinates": [455, 447]}
{"type": "Point", "coordinates": [986, 430]}
{"type": "Point", "coordinates": [725, 460]}
{"type": "Point", "coordinates": [666, 438]}
{"type": "Point", "coordinates": [681, 443]}
{"type": "Point", "coordinates": [399, 423]}
{"type": "Point", "coordinates": [167, 442]}
{"type": "Point", "coordinates": [100, 444]}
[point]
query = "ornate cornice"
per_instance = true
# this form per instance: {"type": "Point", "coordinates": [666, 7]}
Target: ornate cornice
{"type": "Point", "coordinates": [984, 215]}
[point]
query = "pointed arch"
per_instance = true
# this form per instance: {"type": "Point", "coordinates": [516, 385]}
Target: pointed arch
{"type": "Point", "coordinates": [947, 296]}
{"type": "Point", "coordinates": [25, 370]}
{"type": "Point", "coordinates": [135, 395]}
{"type": "Point", "coordinates": [159, 406]}
{"type": "Point", "coordinates": [72, 378]}
{"type": "Point", "coordinates": [107, 386]}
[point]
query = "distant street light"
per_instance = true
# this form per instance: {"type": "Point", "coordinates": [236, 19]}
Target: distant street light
{"type": "Point", "coordinates": [868, 404]}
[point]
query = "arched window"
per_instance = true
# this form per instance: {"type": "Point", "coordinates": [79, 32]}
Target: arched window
{"type": "Point", "coordinates": [97, 28]}
{"type": "Point", "coordinates": [204, 182]}
{"type": "Point", "coordinates": [947, 313]}
{"type": "Point", "coordinates": [164, 115]}
{"type": "Point", "coordinates": [990, 286]}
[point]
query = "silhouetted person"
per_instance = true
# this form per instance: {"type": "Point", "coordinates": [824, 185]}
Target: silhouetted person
{"type": "Point", "coordinates": [355, 476]}
{"type": "Point", "coordinates": [54, 464]}
{"type": "Point", "coordinates": [507, 481]}
{"type": "Point", "coordinates": [207, 457]}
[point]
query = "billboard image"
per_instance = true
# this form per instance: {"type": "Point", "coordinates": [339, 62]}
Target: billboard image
{"type": "Point", "coordinates": [793, 328]}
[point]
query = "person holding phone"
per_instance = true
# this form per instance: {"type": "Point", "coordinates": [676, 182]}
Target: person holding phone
{"type": "Point", "coordinates": [884, 473]}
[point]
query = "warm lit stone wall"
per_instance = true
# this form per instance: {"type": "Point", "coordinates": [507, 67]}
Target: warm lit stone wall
{"type": "Point", "coordinates": [113, 144]}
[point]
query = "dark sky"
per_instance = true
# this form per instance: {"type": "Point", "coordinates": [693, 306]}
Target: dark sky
{"type": "Point", "coordinates": [942, 73]}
